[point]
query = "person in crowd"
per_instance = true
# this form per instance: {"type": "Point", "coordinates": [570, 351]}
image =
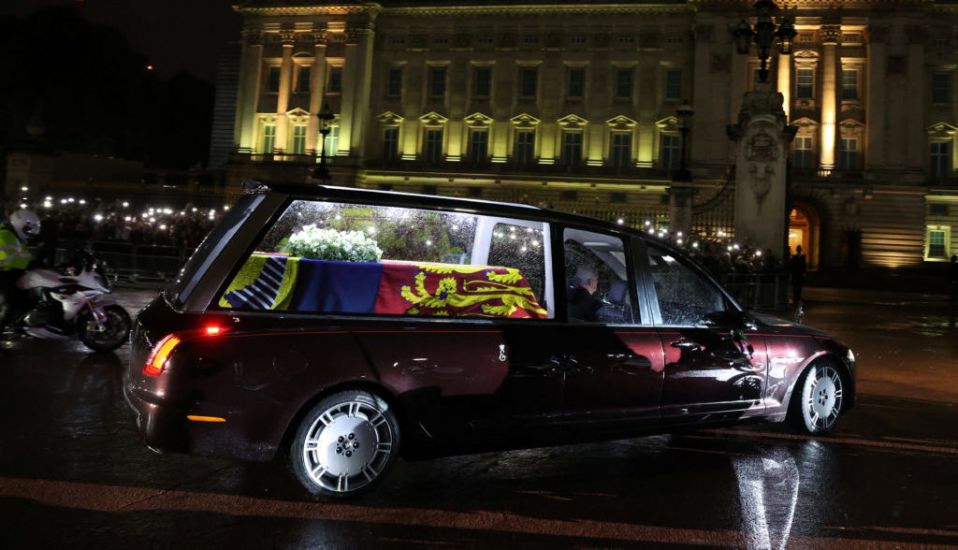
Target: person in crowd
{"type": "Point", "coordinates": [953, 280]}
{"type": "Point", "coordinates": [48, 240]}
{"type": "Point", "coordinates": [15, 258]}
{"type": "Point", "coordinates": [583, 305]}
{"type": "Point", "coordinates": [797, 267]}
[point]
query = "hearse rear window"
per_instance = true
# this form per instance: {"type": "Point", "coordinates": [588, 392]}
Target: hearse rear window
{"type": "Point", "coordinates": [323, 257]}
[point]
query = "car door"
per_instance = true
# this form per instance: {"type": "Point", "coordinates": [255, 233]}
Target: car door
{"type": "Point", "coordinates": [613, 364]}
{"type": "Point", "coordinates": [714, 365]}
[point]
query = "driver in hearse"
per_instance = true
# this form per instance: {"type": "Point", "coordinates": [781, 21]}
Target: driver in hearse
{"type": "Point", "coordinates": [583, 305]}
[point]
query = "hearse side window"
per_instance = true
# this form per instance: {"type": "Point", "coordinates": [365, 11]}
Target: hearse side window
{"type": "Point", "coordinates": [598, 286]}
{"type": "Point", "coordinates": [324, 257]}
{"type": "Point", "coordinates": [685, 297]}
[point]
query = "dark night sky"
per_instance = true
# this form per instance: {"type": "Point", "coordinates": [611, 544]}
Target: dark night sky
{"type": "Point", "coordinates": [175, 34]}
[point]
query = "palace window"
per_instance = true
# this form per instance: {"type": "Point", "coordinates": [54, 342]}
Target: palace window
{"type": "Point", "coordinates": [940, 156]}
{"type": "Point", "coordinates": [937, 242]}
{"type": "Point", "coordinates": [804, 158]}
{"type": "Point", "coordinates": [391, 143]}
{"type": "Point", "coordinates": [940, 87]}
{"type": "Point", "coordinates": [670, 151]}
{"type": "Point", "coordinates": [623, 83]}
{"type": "Point", "coordinates": [482, 81]}
{"type": "Point", "coordinates": [437, 81]}
{"type": "Point", "coordinates": [331, 143]}
{"type": "Point", "coordinates": [804, 83]}
{"type": "Point", "coordinates": [432, 148]}
{"type": "Point", "coordinates": [571, 148]}
{"type": "Point", "coordinates": [528, 80]}
{"type": "Point", "coordinates": [272, 80]}
{"type": "Point", "coordinates": [394, 82]}
{"type": "Point", "coordinates": [849, 84]}
{"type": "Point", "coordinates": [673, 84]}
{"type": "Point", "coordinates": [303, 73]}
{"type": "Point", "coordinates": [478, 145]}
{"type": "Point", "coordinates": [848, 154]}
{"type": "Point", "coordinates": [269, 138]}
{"type": "Point", "coordinates": [524, 147]}
{"type": "Point", "coordinates": [576, 83]}
{"type": "Point", "coordinates": [299, 140]}
{"type": "Point", "coordinates": [621, 152]}
{"type": "Point", "coordinates": [335, 80]}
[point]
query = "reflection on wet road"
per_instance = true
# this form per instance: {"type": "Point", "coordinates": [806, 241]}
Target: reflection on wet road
{"type": "Point", "coordinates": [72, 472]}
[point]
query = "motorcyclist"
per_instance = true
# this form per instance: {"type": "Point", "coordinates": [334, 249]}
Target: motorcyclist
{"type": "Point", "coordinates": [14, 258]}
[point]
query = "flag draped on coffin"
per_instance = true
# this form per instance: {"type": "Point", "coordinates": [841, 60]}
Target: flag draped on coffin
{"type": "Point", "coordinates": [276, 282]}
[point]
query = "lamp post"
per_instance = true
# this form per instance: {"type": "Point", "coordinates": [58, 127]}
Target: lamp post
{"type": "Point", "coordinates": [684, 113]}
{"type": "Point", "coordinates": [764, 33]}
{"type": "Point", "coordinates": [325, 119]}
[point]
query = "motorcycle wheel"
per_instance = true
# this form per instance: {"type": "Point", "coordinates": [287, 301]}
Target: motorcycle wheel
{"type": "Point", "coordinates": [114, 331]}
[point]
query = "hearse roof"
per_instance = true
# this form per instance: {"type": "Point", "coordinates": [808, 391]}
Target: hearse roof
{"type": "Point", "coordinates": [412, 199]}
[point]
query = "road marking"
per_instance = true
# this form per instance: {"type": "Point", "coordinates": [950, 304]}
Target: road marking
{"type": "Point", "coordinates": [113, 498]}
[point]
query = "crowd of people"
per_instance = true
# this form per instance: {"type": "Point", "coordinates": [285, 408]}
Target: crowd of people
{"type": "Point", "coordinates": [78, 220]}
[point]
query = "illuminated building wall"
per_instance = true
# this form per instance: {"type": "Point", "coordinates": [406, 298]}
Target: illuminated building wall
{"type": "Point", "coordinates": [573, 105]}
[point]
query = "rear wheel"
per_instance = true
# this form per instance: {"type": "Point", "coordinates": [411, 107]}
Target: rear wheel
{"type": "Point", "coordinates": [345, 444]}
{"type": "Point", "coordinates": [105, 335]}
{"type": "Point", "coordinates": [817, 400]}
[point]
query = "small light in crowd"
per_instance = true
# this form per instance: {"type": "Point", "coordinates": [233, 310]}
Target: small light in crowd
{"type": "Point", "coordinates": [98, 218]}
{"type": "Point", "coordinates": [63, 201]}
{"type": "Point", "coordinates": [48, 204]}
{"type": "Point", "coordinates": [152, 220]}
{"type": "Point", "coordinates": [523, 249]}
{"type": "Point", "coordinates": [194, 209]}
{"type": "Point", "coordinates": [620, 221]}
{"type": "Point", "coordinates": [729, 248]}
{"type": "Point", "coordinates": [162, 227]}
{"type": "Point", "coordinates": [679, 241]}
{"type": "Point", "coordinates": [23, 205]}
{"type": "Point", "coordinates": [651, 231]}
{"type": "Point", "coordinates": [48, 198]}
{"type": "Point", "coordinates": [152, 211]}
{"type": "Point", "coordinates": [70, 199]}
{"type": "Point", "coordinates": [182, 213]}
{"type": "Point", "coordinates": [647, 223]}
{"type": "Point", "coordinates": [226, 207]}
{"type": "Point", "coordinates": [735, 246]}
{"type": "Point", "coordinates": [82, 201]}
{"type": "Point", "coordinates": [24, 188]}
{"type": "Point", "coordinates": [758, 253]}
{"type": "Point", "coordinates": [126, 204]}
{"type": "Point", "coordinates": [167, 211]}
{"type": "Point", "coordinates": [149, 67]}
{"type": "Point", "coordinates": [679, 234]}
{"type": "Point", "coordinates": [127, 218]}
{"type": "Point", "coordinates": [695, 244]}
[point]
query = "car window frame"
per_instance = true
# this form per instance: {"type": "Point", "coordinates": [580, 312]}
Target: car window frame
{"type": "Point", "coordinates": [559, 265]}
{"type": "Point", "coordinates": [215, 308]}
{"type": "Point", "coordinates": [653, 298]}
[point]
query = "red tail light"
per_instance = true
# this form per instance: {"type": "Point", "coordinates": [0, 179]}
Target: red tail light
{"type": "Point", "coordinates": [213, 330]}
{"type": "Point", "coordinates": [156, 361]}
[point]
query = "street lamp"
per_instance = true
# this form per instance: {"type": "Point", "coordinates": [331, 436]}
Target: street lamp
{"type": "Point", "coordinates": [325, 120]}
{"type": "Point", "coordinates": [684, 113]}
{"type": "Point", "coordinates": [763, 34]}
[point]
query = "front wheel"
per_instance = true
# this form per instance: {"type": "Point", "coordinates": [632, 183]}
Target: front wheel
{"type": "Point", "coordinates": [345, 444]}
{"type": "Point", "coordinates": [817, 400]}
{"type": "Point", "coordinates": [107, 335]}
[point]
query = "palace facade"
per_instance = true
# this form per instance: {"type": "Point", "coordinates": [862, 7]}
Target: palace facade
{"type": "Point", "coordinates": [573, 105]}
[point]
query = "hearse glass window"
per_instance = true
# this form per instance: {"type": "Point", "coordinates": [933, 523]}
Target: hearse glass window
{"type": "Point", "coordinates": [337, 258]}
{"type": "Point", "coordinates": [598, 287]}
{"type": "Point", "coordinates": [685, 297]}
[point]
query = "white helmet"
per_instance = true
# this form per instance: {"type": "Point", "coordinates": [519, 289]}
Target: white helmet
{"type": "Point", "coordinates": [25, 223]}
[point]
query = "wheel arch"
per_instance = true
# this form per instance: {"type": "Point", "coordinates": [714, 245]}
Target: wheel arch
{"type": "Point", "coordinates": [843, 370]}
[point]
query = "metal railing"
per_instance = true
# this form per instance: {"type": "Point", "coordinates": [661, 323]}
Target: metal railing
{"type": "Point", "coordinates": [758, 291]}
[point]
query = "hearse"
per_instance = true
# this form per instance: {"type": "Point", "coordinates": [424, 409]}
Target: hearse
{"type": "Point", "coordinates": [340, 328]}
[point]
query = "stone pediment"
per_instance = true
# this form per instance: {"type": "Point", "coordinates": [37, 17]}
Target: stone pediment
{"type": "Point", "coordinates": [805, 123]}
{"type": "Point", "coordinates": [941, 130]}
{"type": "Point", "coordinates": [806, 54]}
{"type": "Point", "coordinates": [525, 120]}
{"type": "Point", "coordinates": [669, 123]}
{"type": "Point", "coordinates": [389, 118]}
{"type": "Point", "coordinates": [298, 111]}
{"type": "Point", "coordinates": [433, 119]}
{"type": "Point", "coordinates": [477, 119]}
{"type": "Point", "coordinates": [621, 123]}
{"type": "Point", "coordinates": [851, 124]}
{"type": "Point", "coordinates": [572, 121]}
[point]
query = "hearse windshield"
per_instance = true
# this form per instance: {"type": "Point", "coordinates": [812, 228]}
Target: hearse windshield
{"type": "Point", "coordinates": [345, 258]}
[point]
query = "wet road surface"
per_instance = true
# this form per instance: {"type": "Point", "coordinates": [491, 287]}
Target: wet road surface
{"type": "Point", "coordinates": [73, 472]}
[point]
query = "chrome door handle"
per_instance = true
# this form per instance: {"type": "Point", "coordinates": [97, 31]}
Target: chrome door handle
{"type": "Point", "coordinates": [686, 345]}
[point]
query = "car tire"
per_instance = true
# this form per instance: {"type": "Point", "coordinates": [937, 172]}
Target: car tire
{"type": "Point", "coordinates": [817, 400]}
{"type": "Point", "coordinates": [345, 445]}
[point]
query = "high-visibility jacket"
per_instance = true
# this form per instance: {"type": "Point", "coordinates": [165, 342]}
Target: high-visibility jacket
{"type": "Point", "coordinates": [13, 255]}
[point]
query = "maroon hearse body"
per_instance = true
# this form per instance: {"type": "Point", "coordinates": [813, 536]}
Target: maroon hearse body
{"type": "Point", "coordinates": [240, 383]}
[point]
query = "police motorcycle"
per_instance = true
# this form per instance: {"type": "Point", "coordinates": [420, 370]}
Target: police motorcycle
{"type": "Point", "coordinates": [73, 302]}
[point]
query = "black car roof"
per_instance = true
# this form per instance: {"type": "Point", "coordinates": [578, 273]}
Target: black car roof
{"type": "Point", "coordinates": [319, 191]}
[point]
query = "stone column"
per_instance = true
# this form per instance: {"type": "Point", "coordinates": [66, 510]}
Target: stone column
{"type": "Point", "coordinates": [761, 139]}
{"type": "Point", "coordinates": [317, 90]}
{"type": "Point", "coordinates": [829, 138]}
{"type": "Point", "coordinates": [247, 100]}
{"type": "Point", "coordinates": [915, 110]}
{"type": "Point", "coordinates": [784, 82]}
{"type": "Point", "coordinates": [875, 108]}
{"type": "Point", "coordinates": [357, 77]}
{"type": "Point", "coordinates": [285, 83]}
